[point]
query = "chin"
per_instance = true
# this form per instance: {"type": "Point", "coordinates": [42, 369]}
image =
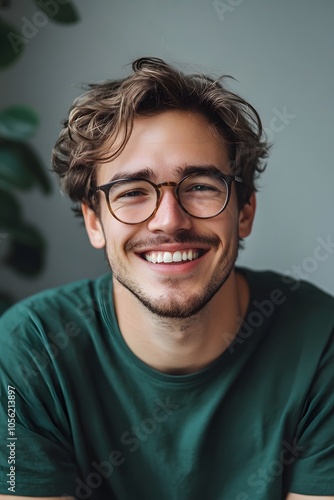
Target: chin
{"type": "Point", "coordinates": [177, 304]}
{"type": "Point", "coordinates": [174, 308]}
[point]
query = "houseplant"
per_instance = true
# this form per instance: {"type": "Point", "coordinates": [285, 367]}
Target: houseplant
{"type": "Point", "coordinates": [22, 246]}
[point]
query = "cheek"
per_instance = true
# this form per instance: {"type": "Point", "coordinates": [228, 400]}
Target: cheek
{"type": "Point", "coordinates": [117, 235]}
{"type": "Point", "coordinates": [228, 224]}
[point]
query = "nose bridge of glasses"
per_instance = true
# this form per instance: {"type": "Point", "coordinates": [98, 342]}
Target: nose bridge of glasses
{"type": "Point", "coordinates": [171, 184]}
{"type": "Point", "coordinates": [166, 184]}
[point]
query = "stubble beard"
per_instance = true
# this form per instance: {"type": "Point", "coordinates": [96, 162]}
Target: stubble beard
{"type": "Point", "coordinates": [178, 304]}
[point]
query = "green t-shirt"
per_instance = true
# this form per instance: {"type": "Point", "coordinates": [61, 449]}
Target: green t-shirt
{"type": "Point", "coordinates": [82, 415]}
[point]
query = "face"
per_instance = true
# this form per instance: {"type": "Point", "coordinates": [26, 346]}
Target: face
{"type": "Point", "coordinates": [172, 263]}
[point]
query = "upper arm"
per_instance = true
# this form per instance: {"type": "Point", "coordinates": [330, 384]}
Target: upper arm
{"type": "Point", "coordinates": [41, 425]}
{"type": "Point", "coordinates": [295, 496]}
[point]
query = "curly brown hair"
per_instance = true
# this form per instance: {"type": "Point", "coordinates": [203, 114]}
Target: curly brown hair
{"type": "Point", "coordinates": [105, 114]}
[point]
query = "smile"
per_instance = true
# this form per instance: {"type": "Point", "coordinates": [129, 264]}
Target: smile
{"type": "Point", "coordinates": [170, 257]}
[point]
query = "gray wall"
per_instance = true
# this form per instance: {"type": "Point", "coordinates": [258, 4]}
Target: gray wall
{"type": "Point", "coordinates": [281, 52]}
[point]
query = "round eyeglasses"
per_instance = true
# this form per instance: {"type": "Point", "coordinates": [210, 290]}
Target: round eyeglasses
{"type": "Point", "coordinates": [201, 195]}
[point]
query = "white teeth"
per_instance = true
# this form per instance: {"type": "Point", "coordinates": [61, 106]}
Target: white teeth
{"type": "Point", "coordinates": [160, 257]}
{"type": "Point", "coordinates": [177, 257]}
{"type": "Point", "coordinates": [168, 257]}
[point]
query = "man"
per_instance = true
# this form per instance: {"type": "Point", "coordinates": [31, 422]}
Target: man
{"type": "Point", "coordinates": [178, 376]}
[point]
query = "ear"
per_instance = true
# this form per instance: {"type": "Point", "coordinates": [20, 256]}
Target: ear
{"type": "Point", "coordinates": [93, 227]}
{"type": "Point", "coordinates": [246, 217]}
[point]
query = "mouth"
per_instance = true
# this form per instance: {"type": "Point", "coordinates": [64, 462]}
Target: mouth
{"type": "Point", "coordinates": [178, 256]}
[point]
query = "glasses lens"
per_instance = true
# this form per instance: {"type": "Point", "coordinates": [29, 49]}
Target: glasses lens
{"type": "Point", "coordinates": [203, 195]}
{"type": "Point", "coordinates": [132, 201]}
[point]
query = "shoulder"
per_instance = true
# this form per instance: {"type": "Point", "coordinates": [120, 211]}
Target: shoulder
{"type": "Point", "coordinates": [67, 304]}
{"type": "Point", "coordinates": [289, 331]}
{"type": "Point", "coordinates": [284, 289]}
{"type": "Point", "coordinates": [297, 311]}
{"type": "Point", "coordinates": [51, 331]}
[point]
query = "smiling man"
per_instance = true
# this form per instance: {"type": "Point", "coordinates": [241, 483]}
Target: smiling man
{"type": "Point", "coordinates": [177, 375]}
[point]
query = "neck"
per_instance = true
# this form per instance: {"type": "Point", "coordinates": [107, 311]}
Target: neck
{"type": "Point", "coordinates": [183, 346]}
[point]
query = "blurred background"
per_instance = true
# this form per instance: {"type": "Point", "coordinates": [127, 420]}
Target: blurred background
{"type": "Point", "coordinates": [281, 53]}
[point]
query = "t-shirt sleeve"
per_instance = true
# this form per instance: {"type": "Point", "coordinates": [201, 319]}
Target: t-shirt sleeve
{"type": "Point", "coordinates": [313, 471]}
{"type": "Point", "coordinates": [36, 453]}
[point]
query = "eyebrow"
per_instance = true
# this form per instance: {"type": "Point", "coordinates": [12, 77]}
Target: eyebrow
{"type": "Point", "coordinates": [144, 173]}
{"type": "Point", "coordinates": [194, 169]}
{"type": "Point", "coordinates": [182, 171]}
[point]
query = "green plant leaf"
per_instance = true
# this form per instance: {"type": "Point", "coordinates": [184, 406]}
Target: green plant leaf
{"type": "Point", "coordinates": [27, 259]}
{"type": "Point", "coordinates": [25, 247]}
{"type": "Point", "coordinates": [65, 13]}
{"type": "Point", "coordinates": [10, 212]}
{"type": "Point", "coordinates": [11, 224]}
{"type": "Point", "coordinates": [13, 170]}
{"type": "Point", "coordinates": [18, 122]}
{"type": "Point", "coordinates": [21, 167]}
{"type": "Point", "coordinates": [35, 165]}
{"type": "Point", "coordinates": [22, 233]}
{"type": "Point", "coordinates": [11, 44]}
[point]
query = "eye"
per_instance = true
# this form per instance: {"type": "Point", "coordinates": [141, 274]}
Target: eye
{"type": "Point", "coordinates": [132, 194]}
{"type": "Point", "coordinates": [202, 187]}
{"type": "Point", "coordinates": [129, 190]}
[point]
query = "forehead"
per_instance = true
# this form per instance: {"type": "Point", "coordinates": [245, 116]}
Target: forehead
{"type": "Point", "coordinates": [166, 143]}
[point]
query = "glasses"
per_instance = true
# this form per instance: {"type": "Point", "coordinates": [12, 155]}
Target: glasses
{"type": "Point", "coordinates": [200, 195]}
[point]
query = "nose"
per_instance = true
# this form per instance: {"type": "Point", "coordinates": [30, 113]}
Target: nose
{"type": "Point", "coordinates": [169, 217]}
